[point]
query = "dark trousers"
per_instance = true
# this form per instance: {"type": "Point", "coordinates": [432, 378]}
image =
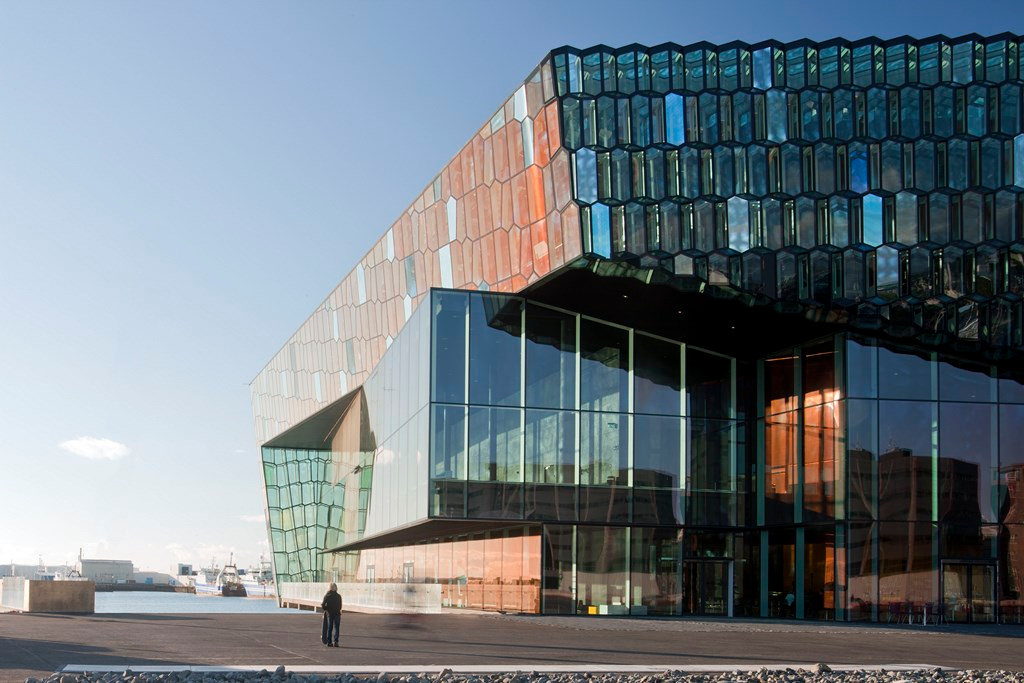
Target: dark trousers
{"type": "Point", "coordinates": [332, 623]}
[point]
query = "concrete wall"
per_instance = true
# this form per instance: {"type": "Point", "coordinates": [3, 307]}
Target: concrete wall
{"type": "Point", "coordinates": [396, 597]}
{"type": "Point", "coordinates": [107, 571]}
{"type": "Point", "coordinates": [72, 597]}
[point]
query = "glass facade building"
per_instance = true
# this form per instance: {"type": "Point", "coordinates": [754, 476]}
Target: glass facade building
{"type": "Point", "coordinates": [684, 330]}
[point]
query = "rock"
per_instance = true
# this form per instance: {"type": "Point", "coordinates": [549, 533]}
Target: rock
{"type": "Point", "coordinates": [823, 668]}
{"type": "Point", "coordinates": [382, 677]}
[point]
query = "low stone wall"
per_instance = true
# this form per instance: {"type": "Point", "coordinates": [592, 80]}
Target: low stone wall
{"type": "Point", "coordinates": [68, 597]}
{"type": "Point", "coordinates": [423, 598]}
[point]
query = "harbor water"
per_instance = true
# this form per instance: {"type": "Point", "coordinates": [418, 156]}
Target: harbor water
{"type": "Point", "coordinates": [136, 602]}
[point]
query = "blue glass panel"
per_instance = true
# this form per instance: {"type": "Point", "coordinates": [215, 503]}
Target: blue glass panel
{"type": "Point", "coordinates": [739, 224]}
{"type": "Point", "coordinates": [604, 366]}
{"type": "Point", "coordinates": [600, 230]}
{"type": "Point", "coordinates": [675, 120]}
{"type": "Point", "coordinates": [449, 346]}
{"type": "Point", "coordinates": [656, 451]}
{"type": "Point", "coordinates": [976, 110]}
{"type": "Point", "coordinates": [1018, 161]}
{"type": "Point", "coordinates": [842, 108]}
{"type": "Point", "coordinates": [550, 358]}
{"type": "Point", "coordinates": [586, 175]}
{"type": "Point", "coordinates": [873, 220]}
{"type": "Point", "coordinates": [777, 115]}
{"type": "Point", "coordinates": [709, 118]}
{"type": "Point", "coordinates": [495, 353]}
{"type": "Point", "coordinates": [763, 68]}
{"type": "Point", "coordinates": [963, 62]}
{"type": "Point", "coordinates": [657, 376]}
{"type": "Point", "coordinates": [858, 168]}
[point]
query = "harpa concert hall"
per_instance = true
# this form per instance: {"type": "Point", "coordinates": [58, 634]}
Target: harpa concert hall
{"type": "Point", "coordinates": [682, 330]}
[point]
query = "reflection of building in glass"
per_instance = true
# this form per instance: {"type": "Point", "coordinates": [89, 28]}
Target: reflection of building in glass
{"type": "Point", "coordinates": [711, 329]}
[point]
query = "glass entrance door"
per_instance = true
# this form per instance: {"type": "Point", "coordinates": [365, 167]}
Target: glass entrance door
{"type": "Point", "coordinates": [968, 592]}
{"type": "Point", "coordinates": [707, 587]}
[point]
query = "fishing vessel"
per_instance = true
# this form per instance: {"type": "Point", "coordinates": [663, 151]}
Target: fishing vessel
{"type": "Point", "coordinates": [259, 580]}
{"type": "Point", "coordinates": [225, 582]}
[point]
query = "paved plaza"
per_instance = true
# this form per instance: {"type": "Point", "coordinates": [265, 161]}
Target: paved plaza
{"type": "Point", "coordinates": [36, 645]}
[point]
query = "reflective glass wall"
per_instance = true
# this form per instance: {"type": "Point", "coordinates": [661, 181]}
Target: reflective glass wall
{"type": "Point", "coordinates": [545, 415]}
{"type": "Point", "coordinates": [882, 178]}
{"type": "Point", "coordinates": [489, 571]}
{"type": "Point", "coordinates": [371, 476]}
{"type": "Point", "coordinates": [935, 455]}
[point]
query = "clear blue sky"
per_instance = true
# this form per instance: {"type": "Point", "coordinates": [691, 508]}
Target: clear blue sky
{"type": "Point", "coordinates": [182, 183]}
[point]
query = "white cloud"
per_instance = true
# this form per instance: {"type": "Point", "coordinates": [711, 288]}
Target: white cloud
{"type": "Point", "coordinates": [95, 449]}
{"type": "Point", "coordinates": [252, 518]}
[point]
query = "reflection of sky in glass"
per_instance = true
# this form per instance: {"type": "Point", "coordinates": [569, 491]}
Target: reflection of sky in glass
{"type": "Point", "coordinates": [859, 171]}
{"type": "Point", "coordinates": [1018, 161]}
{"type": "Point", "coordinates": [675, 122]}
{"type": "Point", "coordinates": [586, 175]}
{"type": "Point", "coordinates": [777, 115]}
{"type": "Point", "coordinates": [739, 224]}
{"type": "Point", "coordinates": [600, 230]}
{"type": "Point", "coordinates": [888, 270]}
{"type": "Point", "coordinates": [872, 220]}
{"type": "Point", "coordinates": [763, 68]}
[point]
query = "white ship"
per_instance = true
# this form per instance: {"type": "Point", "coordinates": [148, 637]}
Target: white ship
{"type": "Point", "coordinates": [225, 581]}
{"type": "Point", "coordinates": [259, 580]}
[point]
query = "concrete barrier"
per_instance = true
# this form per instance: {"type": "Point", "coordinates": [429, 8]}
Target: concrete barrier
{"type": "Point", "coordinates": [67, 597]}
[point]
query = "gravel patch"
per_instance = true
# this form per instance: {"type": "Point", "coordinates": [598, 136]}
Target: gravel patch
{"type": "Point", "coordinates": [821, 673]}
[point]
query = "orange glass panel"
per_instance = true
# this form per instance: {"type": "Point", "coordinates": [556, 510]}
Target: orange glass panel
{"type": "Point", "coordinates": [458, 265]}
{"type": "Point", "coordinates": [465, 160]}
{"type": "Point", "coordinates": [557, 253]}
{"type": "Point", "coordinates": [431, 216]}
{"type": "Point", "coordinates": [822, 431]}
{"type": "Point", "coordinates": [563, 188]}
{"type": "Point", "coordinates": [469, 214]}
{"type": "Point", "coordinates": [455, 177]}
{"type": "Point", "coordinates": [488, 151]}
{"type": "Point", "coordinates": [502, 254]}
{"type": "Point", "coordinates": [478, 159]}
{"type": "Point", "coordinates": [535, 193]}
{"type": "Point", "coordinates": [478, 261]}
{"type": "Point", "coordinates": [520, 201]}
{"type": "Point", "coordinates": [506, 205]}
{"type": "Point", "coordinates": [489, 261]}
{"type": "Point", "coordinates": [514, 138]}
{"type": "Point", "coordinates": [526, 255]}
{"type": "Point", "coordinates": [501, 170]}
{"type": "Point", "coordinates": [780, 456]}
{"type": "Point", "coordinates": [539, 235]}
{"type": "Point", "coordinates": [541, 153]}
{"type": "Point", "coordinates": [485, 199]}
{"type": "Point", "coordinates": [554, 132]}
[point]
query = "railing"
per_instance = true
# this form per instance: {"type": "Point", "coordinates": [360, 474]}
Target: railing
{"type": "Point", "coordinates": [424, 598]}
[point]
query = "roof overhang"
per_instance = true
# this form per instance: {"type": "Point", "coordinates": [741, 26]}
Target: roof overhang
{"type": "Point", "coordinates": [430, 530]}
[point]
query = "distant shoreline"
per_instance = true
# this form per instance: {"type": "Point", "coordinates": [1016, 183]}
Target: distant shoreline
{"type": "Point", "coordinates": [147, 587]}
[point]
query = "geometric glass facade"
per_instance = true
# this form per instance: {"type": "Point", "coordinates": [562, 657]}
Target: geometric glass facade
{"type": "Point", "coordinates": [731, 330]}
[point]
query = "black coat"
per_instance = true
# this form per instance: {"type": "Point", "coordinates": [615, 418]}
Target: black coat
{"type": "Point", "coordinates": [332, 602]}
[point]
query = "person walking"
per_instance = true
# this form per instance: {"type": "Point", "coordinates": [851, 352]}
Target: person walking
{"type": "Point", "coordinates": [331, 606]}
